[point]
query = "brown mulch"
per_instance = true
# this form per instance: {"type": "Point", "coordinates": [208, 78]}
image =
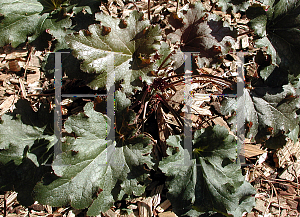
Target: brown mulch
{"type": "Point", "coordinates": [275, 175]}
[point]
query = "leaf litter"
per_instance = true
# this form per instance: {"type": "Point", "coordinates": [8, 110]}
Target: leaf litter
{"type": "Point", "coordinates": [266, 190]}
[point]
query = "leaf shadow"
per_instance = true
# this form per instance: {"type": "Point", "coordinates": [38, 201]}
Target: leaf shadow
{"type": "Point", "coordinates": [219, 31]}
{"type": "Point", "coordinates": [43, 117]}
{"type": "Point", "coordinates": [22, 178]}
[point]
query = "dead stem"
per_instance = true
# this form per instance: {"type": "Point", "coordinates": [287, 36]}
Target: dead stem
{"type": "Point", "coordinates": [149, 17]}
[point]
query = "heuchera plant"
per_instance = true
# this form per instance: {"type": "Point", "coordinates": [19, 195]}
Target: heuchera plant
{"type": "Point", "coordinates": [93, 170]}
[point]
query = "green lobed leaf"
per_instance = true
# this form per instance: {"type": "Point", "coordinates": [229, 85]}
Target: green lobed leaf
{"type": "Point", "coordinates": [203, 32]}
{"type": "Point", "coordinates": [101, 170]}
{"type": "Point", "coordinates": [266, 111]}
{"type": "Point", "coordinates": [215, 184]}
{"type": "Point", "coordinates": [18, 147]}
{"type": "Point", "coordinates": [122, 101]}
{"type": "Point", "coordinates": [278, 25]}
{"type": "Point", "coordinates": [125, 42]}
{"type": "Point", "coordinates": [221, 186]}
{"type": "Point", "coordinates": [20, 20]}
{"type": "Point", "coordinates": [26, 19]}
{"type": "Point", "coordinates": [164, 51]}
{"type": "Point", "coordinates": [258, 19]}
{"type": "Point", "coordinates": [234, 5]}
{"type": "Point", "coordinates": [58, 29]}
{"type": "Point", "coordinates": [182, 175]}
{"type": "Point", "coordinates": [70, 66]}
